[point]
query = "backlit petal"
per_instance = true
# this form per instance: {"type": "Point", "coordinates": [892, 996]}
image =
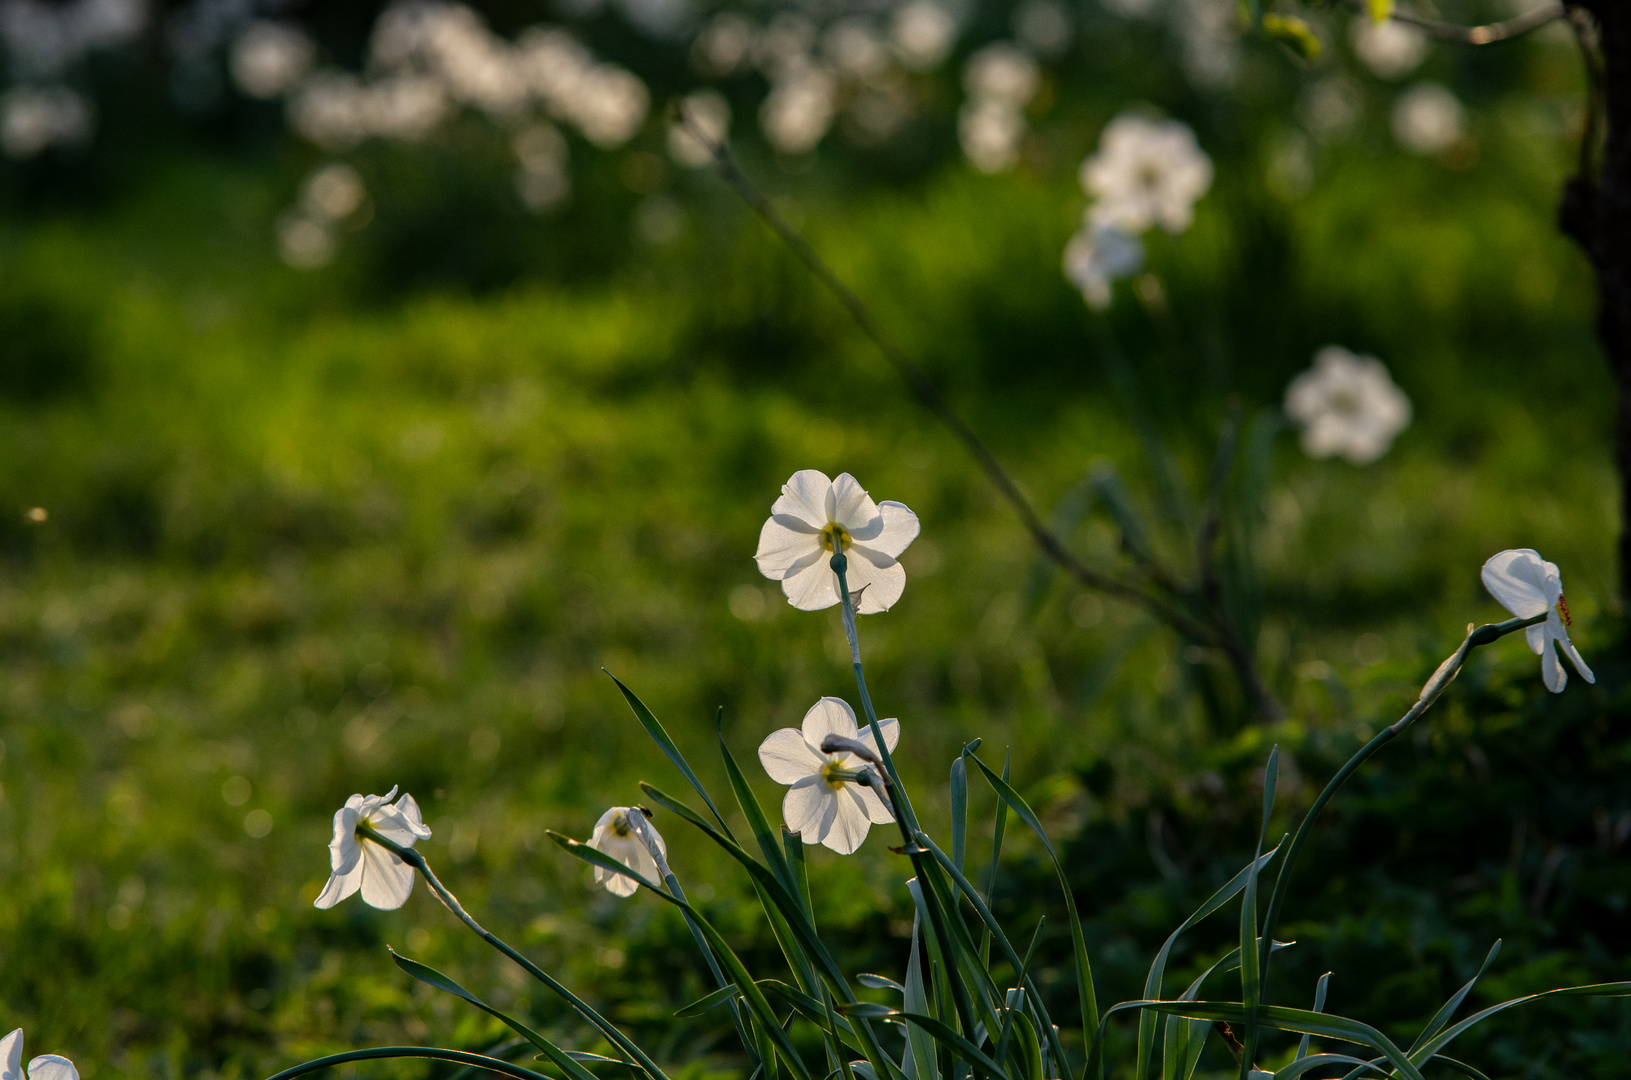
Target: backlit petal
{"type": "Point", "coordinates": [784, 542]}
{"type": "Point", "coordinates": [52, 1067]}
{"type": "Point", "coordinates": [343, 850]}
{"type": "Point", "coordinates": [1574, 657]}
{"type": "Point", "coordinates": [851, 823]}
{"type": "Point", "coordinates": [891, 532]}
{"type": "Point", "coordinates": [1551, 670]}
{"type": "Point", "coordinates": [1536, 636]}
{"type": "Point", "coordinates": [878, 588]}
{"type": "Point", "coordinates": [340, 886]}
{"type": "Point", "coordinates": [387, 881]}
{"type": "Point", "coordinates": [852, 507]}
{"type": "Point", "coordinates": [1517, 580]}
{"type": "Point", "coordinates": [829, 716]}
{"type": "Point", "coordinates": [877, 811]}
{"type": "Point", "coordinates": [813, 587]}
{"type": "Point", "coordinates": [891, 734]}
{"type": "Point", "coordinates": [11, 1056]}
{"type": "Point", "coordinates": [787, 757]}
{"type": "Point", "coordinates": [804, 496]}
{"type": "Point", "coordinates": [809, 807]}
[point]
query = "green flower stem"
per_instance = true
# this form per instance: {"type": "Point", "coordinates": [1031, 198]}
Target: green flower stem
{"type": "Point", "coordinates": [451, 902]}
{"type": "Point", "coordinates": [1484, 635]}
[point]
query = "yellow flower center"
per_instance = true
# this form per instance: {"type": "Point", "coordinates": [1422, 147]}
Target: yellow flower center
{"type": "Point", "coordinates": [836, 538]}
{"type": "Point", "coordinates": [833, 773]}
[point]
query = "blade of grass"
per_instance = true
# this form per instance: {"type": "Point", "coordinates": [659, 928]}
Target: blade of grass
{"type": "Point", "coordinates": [660, 736]}
{"type": "Point", "coordinates": [1319, 1006]}
{"type": "Point", "coordinates": [1250, 965]}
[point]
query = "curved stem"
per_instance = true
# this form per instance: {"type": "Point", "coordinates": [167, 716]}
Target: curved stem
{"type": "Point", "coordinates": [451, 902]}
{"type": "Point", "coordinates": [1487, 34]}
{"type": "Point", "coordinates": [480, 1061]}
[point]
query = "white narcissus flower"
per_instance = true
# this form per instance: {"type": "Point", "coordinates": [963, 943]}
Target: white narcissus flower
{"type": "Point", "coordinates": [825, 804]}
{"type": "Point", "coordinates": [44, 1067]}
{"type": "Point", "coordinates": [1096, 258]}
{"type": "Point", "coordinates": [1347, 406]}
{"type": "Point", "coordinates": [622, 832]}
{"type": "Point", "coordinates": [813, 516]}
{"type": "Point", "coordinates": [1526, 585]}
{"type": "Point", "coordinates": [385, 880]}
{"type": "Point", "coordinates": [1146, 173]}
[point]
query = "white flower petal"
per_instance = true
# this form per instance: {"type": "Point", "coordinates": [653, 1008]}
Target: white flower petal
{"type": "Point", "coordinates": [400, 823]}
{"type": "Point", "coordinates": [809, 807]}
{"type": "Point", "coordinates": [1518, 581]}
{"type": "Point", "coordinates": [891, 532]}
{"type": "Point", "coordinates": [874, 588]}
{"type": "Point", "coordinates": [1574, 657]}
{"type": "Point", "coordinates": [787, 757]}
{"type": "Point", "coordinates": [829, 716]}
{"type": "Point", "coordinates": [813, 587]}
{"type": "Point", "coordinates": [850, 824]}
{"type": "Point", "coordinates": [1536, 636]}
{"type": "Point", "coordinates": [11, 1056]}
{"type": "Point", "coordinates": [784, 543]}
{"type": "Point", "coordinates": [891, 734]}
{"type": "Point", "coordinates": [340, 886]}
{"type": "Point", "coordinates": [1551, 670]}
{"type": "Point", "coordinates": [850, 506]}
{"type": "Point", "coordinates": [52, 1067]}
{"type": "Point", "coordinates": [804, 496]}
{"type": "Point", "coordinates": [387, 881]}
{"type": "Point", "coordinates": [343, 850]}
{"type": "Point", "coordinates": [877, 811]}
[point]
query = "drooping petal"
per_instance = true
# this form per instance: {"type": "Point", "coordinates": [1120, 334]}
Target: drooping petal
{"type": "Point", "coordinates": [52, 1067]}
{"type": "Point", "coordinates": [387, 881]}
{"type": "Point", "coordinates": [891, 532]}
{"type": "Point", "coordinates": [809, 807]}
{"type": "Point", "coordinates": [877, 811]}
{"type": "Point", "coordinates": [343, 851]}
{"type": "Point", "coordinates": [1551, 670]}
{"type": "Point", "coordinates": [829, 716]}
{"type": "Point", "coordinates": [891, 734]}
{"type": "Point", "coordinates": [410, 812]}
{"type": "Point", "coordinates": [787, 757]}
{"type": "Point", "coordinates": [1573, 654]}
{"type": "Point", "coordinates": [604, 825]}
{"type": "Point", "coordinates": [850, 506]}
{"type": "Point", "coordinates": [784, 543]}
{"type": "Point", "coordinates": [813, 586]}
{"type": "Point", "coordinates": [1536, 636]}
{"type": "Point", "coordinates": [874, 588]}
{"type": "Point", "coordinates": [1517, 580]}
{"type": "Point", "coordinates": [398, 824]}
{"type": "Point", "coordinates": [628, 850]}
{"type": "Point", "coordinates": [11, 1056]}
{"type": "Point", "coordinates": [340, 885]}
{"type": "Point", "coordinates": [804, 496]}
{"type": "Point", "coordinates": [850, 824]}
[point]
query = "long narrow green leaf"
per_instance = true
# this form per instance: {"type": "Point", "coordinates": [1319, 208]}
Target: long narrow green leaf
{"type": "Point", "coordinates": [1444, 1038]}
{"type": "Point", "coordinates": [431, 977]}
{"type": "Point", "coordinates": [738, 972]}
{"type": "Point", "coordinates": [1307, 1064]}
{"type": "Point", "coordinates": [954, 1042]}
{"type": "Point", "coordinates": [793, 852]}
{"type": "Point", "coordinates": [666, 745]}
{"type": "Point", "coordinates": [1251, 964]}
{"type": "Point", "coordinates": [917, 1061]}
{"type": "Point", "coordinates": [1442, 1017]}
{"type": "Point", "coordinates": [959, 809]}
{"type": "Point", "coordinates": [1185, 1039]}
{"type": "Point", "coordinates": [1084, 970]}
{"type": "Point", "coordinates": [997, 830]}
{"type": "Point", "coordinates": [436, 1053]}
{"type": "Point", "coordinates": [1319, 1006]}
{"type": "Point", "coordinates": [1158, 967]}
{"type": "Point", "coordinates": [768, 842]}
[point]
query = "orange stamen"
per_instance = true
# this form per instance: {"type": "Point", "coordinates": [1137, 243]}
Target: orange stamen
{"type": "Point", "coordinates": [1563, 610]}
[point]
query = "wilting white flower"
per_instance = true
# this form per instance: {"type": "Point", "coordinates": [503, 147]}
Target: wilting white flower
{"type": "Point", "coordinates": [799, 110]}
{"type": "Point", "coordinates": [1097, 258]}
{"type": "Point", "coordinates": [34, 118]}
{"type": "Point", "coordinates": [1526, 585]}
{"type": "Point", "coordinates": [1347, 406]}
{"type": "Point", "coordinates": [268, 58]}
{"type": "Point", "coordinates": [44, 1067]}
{"type": "Point", "coordinates": [1146, 173]}
{"type": "Point", "coordinates": [1427, 119]}
{"type": "Point", "coordinates": [624, 833]}
{"type": "Point", "coordinates": [1389, 48]}
{"type": "Point", "coordinates": [708, 112]}
{"type": "Point", "coordinates": [333, 192]}
{"type": "Point", "coordinates": [923, 32]}
{"type": "Point", "coordinates": [385, 880]}
{"type": "Point", "coordinates": [825, 803]}
{"type": "Point", "coordinates": [813, 516]}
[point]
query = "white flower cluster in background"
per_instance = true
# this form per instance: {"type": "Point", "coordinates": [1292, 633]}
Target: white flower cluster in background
{"type": "Point", "coordinates": [1207, 34]}
{"type": "Point", "coordinates": [306, 232]}
{"type": "Point", "coordinates": [41, 43]}
{"type": "Point", "coordinates": [36, 118]}
{"type": "Point", "coordinates": [1000, 79]}
{"type": "Point", "coordinates": [1146, 173]}
{"type": "Point", "coordinates": [1389, 48]}
{"type": "Point", "coordinates": [1347, 406]}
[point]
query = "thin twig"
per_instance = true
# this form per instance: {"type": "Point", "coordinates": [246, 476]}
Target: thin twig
{"type": "Point", "coordinates": [1050, 544]}
{"type": "Point", "coordinates": [1487, 34]}
{"type": "Point", "coordinates": [1585, 36]}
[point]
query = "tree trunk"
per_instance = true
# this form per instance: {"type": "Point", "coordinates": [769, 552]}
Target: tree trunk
{"type": "Point", "coordinates": [1596, 213]}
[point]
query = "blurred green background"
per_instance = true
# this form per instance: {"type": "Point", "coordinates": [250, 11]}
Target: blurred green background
{"type": "Point", "coordinates": [313, 532]}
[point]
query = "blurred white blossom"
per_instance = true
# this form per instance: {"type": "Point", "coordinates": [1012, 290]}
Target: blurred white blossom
{"type": "Point", "coordinates": [710, 113]}
{"type": "Point", "coordinates": [990, 133]}
{"type": "Point", "coordinates": [1146, 173]}
{"type": "Point", "coordinates": [1427, 119]}
{"type": "Point", "coordinates": [35, 118]}
{"type": "Point", "coordinates": [1526, 585]}
{"type": "Point", "coordinates": [1043, 26]}
{"type": "Point", "coordinates": [783, 48]}
{"type": "Point", "coordinates": [923, 33]}
{"type": "Point", "coordinates": [333, 192]}
{"type": "Point", "coordinates": [1389, 48]}
{"type": "Point", "coordinates": [42, 40]}
{"type": "Point", "coordinates": [1330, 107]}
{"type": "Point", "coordinates": [541, 180]}
{"type": "Point", "coordinates": [724, 45]}
{"type": "Point", "coordinates": [304, 242]}
{"type": "Point", "coordinates": [825, 804]}
{"type": "Point", "coordinates": [269, 58]}
{"type": "Point", "coordinates": [1347, 406]}
{"type": "Point", "coordinates": [43, 1067]}
{"type": "Point", "coordinates": [855, 49]}
{"type": "Point", "coordinates": [1210, 34]}
{"type": "Point", "coordinates": [1097, 258]}
{"type": "Point", "coordinates": [385, 880]}
{"type": "Point", "coordinates": [799, 110]}
{"type": "Point", "coordinates": [1002, 73]}
{"type": "Point", "coordinates": [624, 833]}
{"type": "Point", "coordinates": [815, 517]}
{"type": "Point", "coordinates": [1001, 79]}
